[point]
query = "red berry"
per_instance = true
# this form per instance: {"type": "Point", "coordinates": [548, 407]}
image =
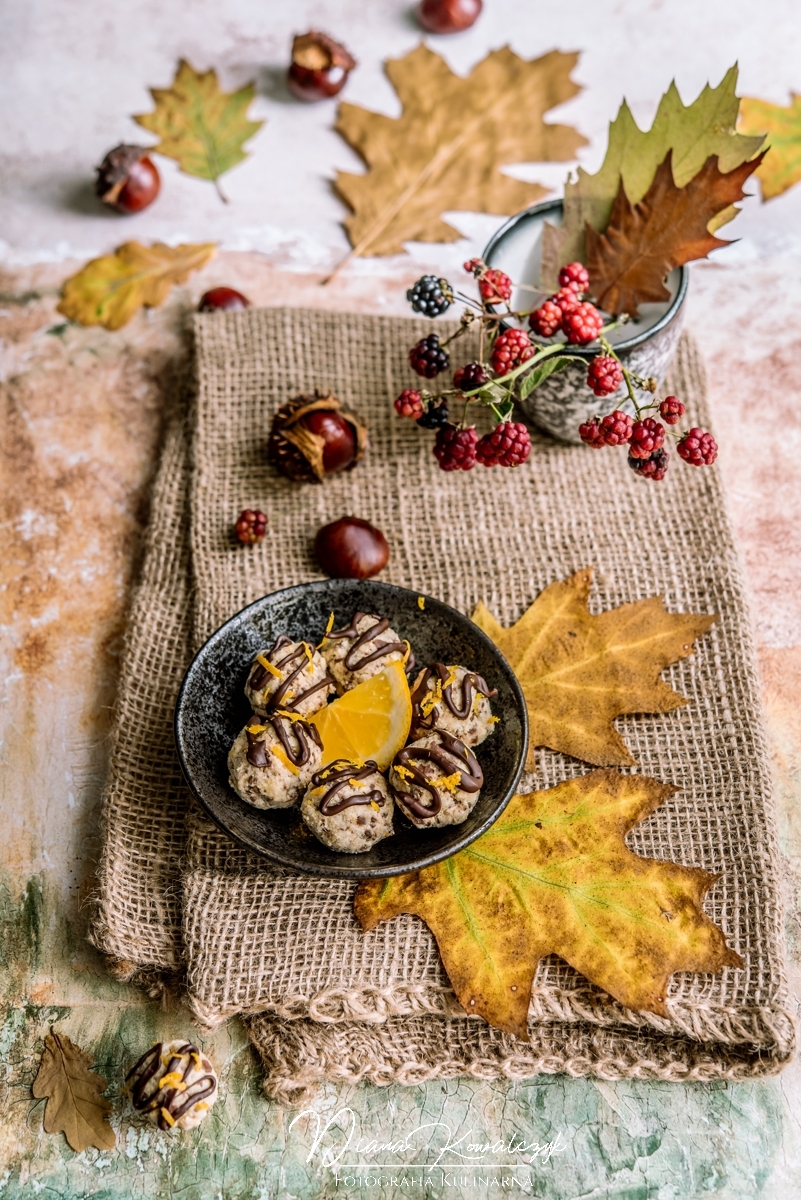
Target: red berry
{"type": "Point", "coordinates": [469, 377]}
{"type": "Point", "coordinates": [428, 358]}
{"type": "Point", "coordinates": [474, 266]}
{"type": "Point", "coordinates": [251, 526]}
{"type": "Point", "coordinates": [653, 467]}
{"type": "Point", "coordinates": [592, 434]}
{"type": "Point", "coordinates": [617, 428]}
{"type": "Point", "coordinates": [546, 319]}
{"type": "Point", "coordinates": [605, 375]}
{"type": "Point", "coordinates": [582, 324]}
{"type": "Point", "coordinates": [567, 299]}
{"type": "Point", "coordinates": [512, 348]}
{"type": "Point", "coordinates": [698, 448]}
{"type": "Point", "coordinates": [409, 404]}
{"type": "Point", "coordinates": [319, 67]}
{"type": "Point", "coordinates": [508, 445]}
{"type": "Point", "coordinates": [351, 548]}
{"type": "Point", "coordinates": [495, 286]}
{"type": "Point", "coordinates": [671, 410]}
{"type": "Point", "coordinates": [646, 437]}
{"type": "Point", "coordinates": [127, 179]}
{"type": "Point", "coordinates": [448, 16]}
{"type": "Point", "coordinates": [225, 298]}
{"type": "Point", "coordinates": [574, 275]}
{"type": "Point", "coordinates": [339, 437]}
{"type": "Point", "coordinates": [455, 449]}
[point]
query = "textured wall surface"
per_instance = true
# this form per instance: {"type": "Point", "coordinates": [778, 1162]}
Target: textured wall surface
{"type": "Point", "coordinates": [79, 433]}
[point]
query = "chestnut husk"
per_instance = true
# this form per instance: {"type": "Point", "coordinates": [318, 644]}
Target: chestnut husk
{"type": "Point", "coordinates": [297, 452]}
{"type": "Point", "coordinates": [113, 172]}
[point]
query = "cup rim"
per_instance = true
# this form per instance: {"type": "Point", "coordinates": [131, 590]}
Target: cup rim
{"type": "Point", "coordinates": [670, 313]}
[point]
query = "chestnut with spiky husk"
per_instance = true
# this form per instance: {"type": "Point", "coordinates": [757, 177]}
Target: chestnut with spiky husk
{"type": "Point", "coordinates": [314, 436]}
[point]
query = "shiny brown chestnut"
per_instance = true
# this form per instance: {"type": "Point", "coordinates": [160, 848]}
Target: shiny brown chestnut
{"type": "Point", "coordinates": [127, 179]}
{"type": "Point", "coordinates": [448, 16]}
{"type": "Point", "coordinates": [222, 299]}
{"type": "Point", "coordinates": [320, 66]}
{"type": "Point", "coordinates": [351, 549]}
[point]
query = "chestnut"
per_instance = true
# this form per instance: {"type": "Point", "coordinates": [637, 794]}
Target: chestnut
{"type": "Point", "coordinates": [222, 298]}
{"type": "Point", "coordinates": [319, 67]}
{"type": "Point", "coordinates": [351, 549]}
{"type": "Point", "coordinates": [127, 179]}
{"type": "Point", "coordinates": [448, 16]}
{"type": "Point", "coordinates": [313, 437]}
{"type": "Point", "coordinates": [339, 437]}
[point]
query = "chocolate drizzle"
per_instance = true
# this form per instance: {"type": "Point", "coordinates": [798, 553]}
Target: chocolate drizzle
{"type": "Point", "coordinates": [472, 685]}
{"type": "Point", "coordinates": [451, 755]}
{"type": "Point", "coordinates": [338, 775]}
{"type": "Point", "coordinates": [173, 1098]}
{"type": "Point", "coordinates": [258, 753]}
{"type": "Point", "coordinates": [261, 676]}
{"type": "Point", "coordinates": [369, 635]}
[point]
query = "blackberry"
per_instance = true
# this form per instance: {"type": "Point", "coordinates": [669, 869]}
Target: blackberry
{"type": "Point", "coordinates": [512, 348]}
{"type": "Point", "coordinates": [654, 467]}
{"type": "Point", "coordinates": [582, 324]}
{"type": "Point", "coordinates": [592, 434]}
{"type": "Point", "coordinates": [646, 437]}
{"type": "Point", "coordinates": [617, 427]}
{"type": "Point", "coordinates": [605, 375]}
{"type": "Point", "coordinates": [546, 320]}
{"type": "Point", "coordinates": [251, 526]}
{"type": "Point", "coordinates": [574, 275]}
{"type": "Point", "coordinates": [494, 286]}
{"type": "Point", "coordinates": [435, 417]}
{"type": "Point", "coordinates": [698, 448]}
{"type": "Point", "coordinates": [567, 299]}
{"type": "Point", "coordinates": [409, 404]}
{"type": "Point", "coordinates": [509, 445]}
{"type": "Point", "coordinates": [428, 358]}
{"type": "Point", "coordinates": [469, 377]}
{"type": "Point", "coordinates": [671, 410]}
{"type": "Point", "coordinates": [455, 449]}
{"type": "Point", "coordinates": [430, 296]}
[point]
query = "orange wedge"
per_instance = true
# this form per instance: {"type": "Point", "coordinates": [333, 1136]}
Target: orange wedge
{"type": "Point", "coordinates": [370, 721]}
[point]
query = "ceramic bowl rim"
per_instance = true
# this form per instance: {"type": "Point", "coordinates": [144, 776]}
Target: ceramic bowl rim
{"type": "Point", "coordinates": [351, 870]}
{"type": "Point", "coordinates": [670, 313]}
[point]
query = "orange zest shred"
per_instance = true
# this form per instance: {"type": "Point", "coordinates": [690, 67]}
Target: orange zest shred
{"type": "Point", "coordinates": [407, 651]}
{"type": "Point", "coordinates": [168, 1117]}
{"type": "Point", "coordinates": [170, 1080]}
{"type": "Point", "coordinates": [290, 716]}
{"type": "Point", "coordinates": [421, 602]}
{"type": "Point", "coordinates": [256, 728]}
{"type": "Point", "coordinates": [449, 782]}
{"type": "Point", "coordinates": [377, 807]}
{"type": "Point", "coordinates": [493, 720]}
{"type": "Point", "coordinates": [404, 772]}
{"type": "Point", "coordinates": [268, 666]}
{"type": "Point", "coordinates": [281, 755]}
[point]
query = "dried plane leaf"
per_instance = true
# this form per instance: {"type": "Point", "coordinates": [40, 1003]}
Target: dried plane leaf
{"type": "Point", "coordinates": [693, 132]}
{"type": "Point", "coordinates": [781, 167]}
{"type": "Point", "coordinates": [203, 128]}
{"type": "Point", "coordinates": [75, 1106]}
{"type": "Point", "coordinates": [446, 149]}
{"type": "Point", "coordinates": [628, 263]}
{"type": "Point", "coordinates": [579, 671]}
{"type": "Point", "coordinates": [108, 291]}
{"type": "Point", "coordinates": [554, 876]}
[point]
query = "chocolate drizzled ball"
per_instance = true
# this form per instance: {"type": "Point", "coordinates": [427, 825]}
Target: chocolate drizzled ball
{"type": "Point", "coordinates": [290, 675]}
{"type": "Point", "coordinates": [273, 759]}
{"type": "Point", "coordinates": [436, 780]}
{"type": "Point", "coordinates": [453, 699]}
{"type": "Point", "coordinates": [348, 806]}
{"type": "Point", "coordinates": [362, 649]}
{"type": "Point", "coordinates": [173, 1084]}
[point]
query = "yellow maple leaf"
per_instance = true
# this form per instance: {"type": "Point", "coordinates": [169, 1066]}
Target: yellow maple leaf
{"type": "Point", "coordinates": [578, 671]}
{"type": "Point", "coordinates": [781, 167]}
{"type": "Point", "coordinates": [446, 148]}
{"type": "Point", "coordinates": [75, 1106]}
{"type": "Point", "coordinates": [200, 126]}
{"type": "Point", "coordinates": [109, 290]}
{"type": "Point", "coordinates": [554, 876]}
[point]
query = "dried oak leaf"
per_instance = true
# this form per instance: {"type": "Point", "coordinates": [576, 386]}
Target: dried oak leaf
{"type": "Point", "coordinates": [693, 132]}
{"type": "Point", "coordinates": [109, 290]}
{"type": "Point", "coordinates": [445, 150]}
{"type": "Point", "coordinates": [554, 876]}
{"type": "Point", "coordinates": [75, 1106]}
{"type": "Point", "coordinates": [781, 167]}
{"type": "Point", "coordinates": [200, 126]}
{"type": "Point", "coordinates": [578, 671]}
{"type": "Point", "coordinates": [670, 226]}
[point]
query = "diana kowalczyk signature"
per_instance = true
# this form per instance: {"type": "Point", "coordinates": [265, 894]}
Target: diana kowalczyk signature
{"type": "Point", "coordinates": [335, 1137]}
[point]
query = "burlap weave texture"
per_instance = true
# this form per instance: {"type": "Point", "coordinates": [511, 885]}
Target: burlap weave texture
{"type": "Point", "coordinates": [259, 940]}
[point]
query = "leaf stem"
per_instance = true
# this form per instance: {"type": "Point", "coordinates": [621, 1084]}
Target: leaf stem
{"type": "Point", "coordinates": [220, 192]}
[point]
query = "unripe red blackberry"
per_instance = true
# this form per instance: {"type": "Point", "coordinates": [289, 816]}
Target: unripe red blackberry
{"type": "Point", "coordinates": [509, 445]}
{"type": "Point", "coordinates": [654, 467]}
{"type": "Point", "coordinates": [512, 348]}
{"type": "Point", "coordinates": [698, 448]}
{"type": "Point", "coordinates": [455, 449]}
{"type": "Point", "coordinates": [567, 299]}
{"type": "Point", "coordinates": [617, 428]}
{"type": "Point", "coordinates": [409, 404]}
{"type": "Point", "coordinates": [592, 434]}
{"type": "Point", "coordinates": [671, 410]}
{"type": "Point", "coordinates": [495, 286]}
{"type": "Point", "coordinates": [582, 324]}
{"type": "Point", "coordinates": [574, 275]}
{"type": "Point", "coordinates": [251, 526]}
{"type": "Point", "coordinates": [546, 320]}
{"type": "Point", "coordinates": [646, 437]}
{"type": "Point", "coordinates": [604, 375]}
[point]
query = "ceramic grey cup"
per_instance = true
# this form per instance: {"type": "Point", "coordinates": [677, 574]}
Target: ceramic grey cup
{"type": "Point", "coordinates": [646, 346]}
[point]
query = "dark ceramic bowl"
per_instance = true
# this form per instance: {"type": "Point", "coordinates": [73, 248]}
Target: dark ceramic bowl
{"type": "Point", "coordinates": [212, 709]}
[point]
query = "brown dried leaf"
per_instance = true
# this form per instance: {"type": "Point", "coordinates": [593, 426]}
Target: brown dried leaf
{"type": "Point", "coordinates": [445, 150]}
{"type": "Point", "coordinates": [670, 226]}
{"type": "Point", "coordinates": [578, 671]}
{"type": "Point", "coordinates": [75, 1106]}
{"type": "Point", "coordinates": [554, 876]}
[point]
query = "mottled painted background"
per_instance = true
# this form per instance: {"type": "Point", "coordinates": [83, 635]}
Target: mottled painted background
{"type": "Point", "coordinates": [80, 431]}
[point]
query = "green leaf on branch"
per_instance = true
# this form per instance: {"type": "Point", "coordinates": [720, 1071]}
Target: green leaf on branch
{"type": "Point", "coordinates": [549, 366]}
{"type": "Point", "coordinates": [694, 132]}
{"type": "Point", "coordinates": [504, 409]}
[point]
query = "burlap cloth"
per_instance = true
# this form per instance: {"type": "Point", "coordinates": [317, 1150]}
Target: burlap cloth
{"type": "Point", "coordinates": [321, 999]}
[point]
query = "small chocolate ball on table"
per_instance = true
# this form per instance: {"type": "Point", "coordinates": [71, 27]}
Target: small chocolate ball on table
{"type": "Point", "coordinates": [173, 1084]}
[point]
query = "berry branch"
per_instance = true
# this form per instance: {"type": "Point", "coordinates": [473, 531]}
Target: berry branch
{"type": "Point", "coordinates": [517, 366]}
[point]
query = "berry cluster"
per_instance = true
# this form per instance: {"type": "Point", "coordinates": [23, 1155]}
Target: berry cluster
{"type": "Point", "coordinates": [507, 358]}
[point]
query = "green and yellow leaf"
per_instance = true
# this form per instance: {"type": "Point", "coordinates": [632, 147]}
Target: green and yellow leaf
{"type": "Point", "coordinates": [108, 291]}
{"type": "Point", "coordinates": [781, 167]}
{"type": "Point", "coordinates": [579, 671]}
{"type": "Point", "coordinates": [554, 876]}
